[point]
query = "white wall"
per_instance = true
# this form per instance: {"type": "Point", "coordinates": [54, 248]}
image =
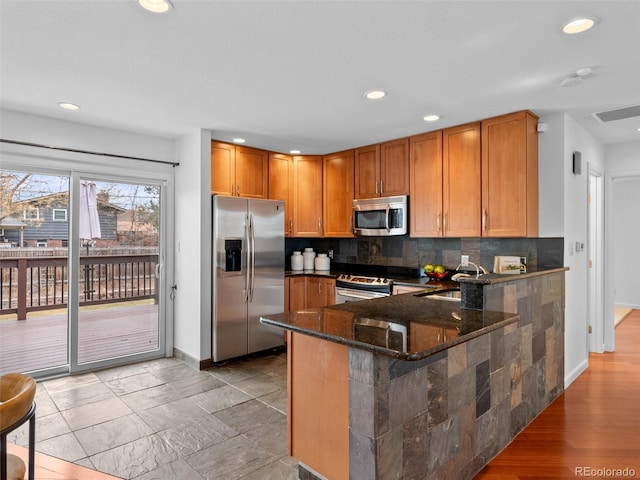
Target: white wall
{"type": "Point", "coordinates": [193, 246]}
{"type": "Point", "coordinates": [576, 229]}
{"type": "Point", "coordinates": [626, 232]}
{"type": "Point", "coordinates": [48, 131]}
{"type": "Point", "coordinates": [551, 175]}
{"type": "Point", "coordinates": [623, 229]}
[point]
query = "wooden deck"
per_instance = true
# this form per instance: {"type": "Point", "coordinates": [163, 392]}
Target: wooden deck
{"type": "Point", "coordinates": [40, 341]}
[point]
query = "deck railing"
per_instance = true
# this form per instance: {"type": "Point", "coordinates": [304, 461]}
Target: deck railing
{"type": "Point", "coordinates": [42, 283]}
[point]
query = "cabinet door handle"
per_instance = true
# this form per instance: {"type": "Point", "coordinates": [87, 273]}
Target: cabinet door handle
{"type": "Point", "coordinates": [238, 189]}
{"type": "Point", "coordinates": [381, 187]}
{"type": "Point", "coordinates": [484, 220]}
{"type": "Point", "coordinates": [376, 188]}
{"type": "Point", "coordinates": [290, 225]}
{"type": "Point", "coordinates": [444, 228]}
{"type": "Point", "coordinates": [438, 222]}
{"type": "Point", "coordinates": [232, 190]}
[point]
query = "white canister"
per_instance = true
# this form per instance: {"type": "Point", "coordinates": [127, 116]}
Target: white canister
{"type": "Point", "coordinates": [322, 262]}
{"type": "Point", "coordinates": [308, 255]}
{"type": "Point", "coordinates": [296, 261]}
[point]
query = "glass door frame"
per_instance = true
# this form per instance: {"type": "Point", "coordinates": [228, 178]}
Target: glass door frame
{"type": "Point", "coordinates": [31, 159]}
{"type": "Point", "coordinates": [74, 269]}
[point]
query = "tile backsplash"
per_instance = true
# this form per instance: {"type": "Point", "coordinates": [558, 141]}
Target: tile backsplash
{"type": "Point", "coordinates": [404, 251]}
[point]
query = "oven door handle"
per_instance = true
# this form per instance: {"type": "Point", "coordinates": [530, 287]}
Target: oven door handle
{"type": "Point", "coordinates": [361, 295]}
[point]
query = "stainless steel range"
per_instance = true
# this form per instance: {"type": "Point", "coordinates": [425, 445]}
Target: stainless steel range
{"type": "Point", "coordinates": [351, 288]}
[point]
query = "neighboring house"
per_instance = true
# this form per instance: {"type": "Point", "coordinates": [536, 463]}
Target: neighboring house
{"type": "Point", "coordinates": [44, 222]}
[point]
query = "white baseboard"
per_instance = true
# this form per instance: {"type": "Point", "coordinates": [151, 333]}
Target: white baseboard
{"type": "Point", "coordinates": [575, 373]}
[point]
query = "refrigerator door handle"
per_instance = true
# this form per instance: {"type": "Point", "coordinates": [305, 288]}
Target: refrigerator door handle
{"type": "Point", "coordinates": [247, 269]}
{"type": "Point", "coordinates": [252, 262]}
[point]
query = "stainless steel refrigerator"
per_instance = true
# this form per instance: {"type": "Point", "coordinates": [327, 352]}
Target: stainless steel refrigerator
{"type": "Point", "coordinates": [248, 274]}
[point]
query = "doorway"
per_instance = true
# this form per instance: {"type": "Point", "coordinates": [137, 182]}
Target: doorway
{"type": "Point", "coordinates": [74, 301]}
{"type": "Point", "coordinates": [595, 261]}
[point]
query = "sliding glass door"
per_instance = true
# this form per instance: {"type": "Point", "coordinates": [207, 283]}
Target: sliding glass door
{"type": "Point", "coordinates": [81, 275]}
{"type": "Point", "coordinates": [34, 280]}
{"type": "Point", "coordinates": [118, 269]}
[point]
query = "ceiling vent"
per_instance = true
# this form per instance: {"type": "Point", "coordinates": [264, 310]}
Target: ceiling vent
{"type": "Point", "coordinates": [618, 114]}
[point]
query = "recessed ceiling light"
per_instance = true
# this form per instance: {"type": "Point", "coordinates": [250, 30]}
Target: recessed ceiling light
{"type": "Point", "coordinates": [431, 118]}
{"type": "Point", "coordinates": [294, 152]}
{"type": "Point", "coordinates": [239, 140]}
{"type": "Point", "coordinates": [375, 94]}
{"type": "Point", "coordinates": [155, 6]}
{"type": "Point", "coordinates": [579, 25]}
{"type": "Point", "coordinates": [68, 106]}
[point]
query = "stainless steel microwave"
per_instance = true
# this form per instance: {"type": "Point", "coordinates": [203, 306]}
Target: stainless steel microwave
{"type": "Point", "coordinates": [382, 216]}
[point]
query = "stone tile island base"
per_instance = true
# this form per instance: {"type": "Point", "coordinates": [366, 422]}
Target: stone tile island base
{"type": "Point", "coordinates": [448, 415]}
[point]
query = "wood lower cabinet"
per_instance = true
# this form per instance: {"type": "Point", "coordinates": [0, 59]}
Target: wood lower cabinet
{"type": "Point", "coordinates": [337, 184]}
{"type": "Point", "coordinates": [297, 293]}
{"type": "Point", "coordinates": [320, 292]}
{"type": "Point", "coordinates": [309, 291]}
{"type": "Point", "coordinates": [307, 196]}
{"type": "Point", "coordinates": [239, 171]}
{"type": "Point", "coordinates": [461, 181]}
{"type": "Point", "coordinates": [382, 170]}
{"type": "Point", "coordinates": [510, 175]}
{"type": "Point", "coordinates": [318, 404]}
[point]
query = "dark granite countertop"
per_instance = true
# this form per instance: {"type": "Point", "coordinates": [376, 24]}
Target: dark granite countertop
{"type": "Point", "coordinates": [416, 326]}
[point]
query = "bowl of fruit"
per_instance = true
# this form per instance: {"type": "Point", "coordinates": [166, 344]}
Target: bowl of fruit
{"type": "Point", "coordinates": [436, 272]}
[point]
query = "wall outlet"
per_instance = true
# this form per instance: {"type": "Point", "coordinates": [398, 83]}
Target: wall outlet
{"type": "Point", "coordinates": [464, 260]}
{"type": "Point", "coordinates": [330, 254]}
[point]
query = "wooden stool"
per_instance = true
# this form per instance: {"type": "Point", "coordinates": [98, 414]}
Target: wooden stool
{"type": "Point", "coordinates": [16, 407]}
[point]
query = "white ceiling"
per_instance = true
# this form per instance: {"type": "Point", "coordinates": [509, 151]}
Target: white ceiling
{"type": "Point", "coordinates": [292, 74]}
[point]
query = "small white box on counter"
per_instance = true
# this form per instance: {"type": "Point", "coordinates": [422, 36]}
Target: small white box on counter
{"type": "Point", "coordinates": [508, 265]}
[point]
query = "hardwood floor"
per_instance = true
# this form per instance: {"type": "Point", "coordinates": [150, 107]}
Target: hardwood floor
{"type": "Point", "coordinates": [594, 424]}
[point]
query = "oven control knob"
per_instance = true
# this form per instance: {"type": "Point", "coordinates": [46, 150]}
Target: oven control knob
{"type": "Point", "coordinates": [385, 281]}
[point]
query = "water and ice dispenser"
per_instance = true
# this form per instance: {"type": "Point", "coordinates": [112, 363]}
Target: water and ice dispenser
{"type": "Point", "coordinates": [233, 254]}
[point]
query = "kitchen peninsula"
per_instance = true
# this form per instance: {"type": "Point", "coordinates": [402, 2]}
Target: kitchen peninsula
{"type": "Point", "coordinates": [415, 386]}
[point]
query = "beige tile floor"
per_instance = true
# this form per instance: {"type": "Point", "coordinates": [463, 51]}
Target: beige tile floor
{"type": "Point", "coordinates": [164, 420]}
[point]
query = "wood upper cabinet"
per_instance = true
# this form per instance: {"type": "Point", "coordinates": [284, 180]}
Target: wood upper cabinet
{"type": "Point", "coordinates": [382, 170]}
{"type": "Point", "coordinates": [367, 172]}
{"type": "Point", "coordinates": [461, 184]}
{"type": "Point", "coordinates": [394, 168]}
{"type": "Point", "coordinates": [252, 167]}
{"type": "Point", "coordinates": [239, 171]}
{"type": "Point", "coordinates": [445, 183]}
{"type": "Point", "coordinates": [425, 192]}
{"type": "Point", "coordinates": [280, 186]}
{"type": "Point", "coordinates": [223, 168]}
{"type": "Point", "coordinates": [510, 175]}
{"type": "Point", "coordinates": [307, 196]}
{"type": "Point", "coordinates": [337, 182]}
